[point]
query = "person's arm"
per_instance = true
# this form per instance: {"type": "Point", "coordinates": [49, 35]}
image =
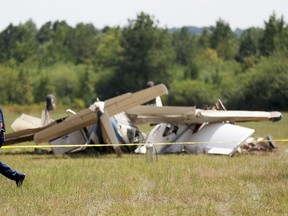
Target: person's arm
{"type": "Point", "coordinates": [2, 124]}
{"type": "Point", "coordinates": [1, 135]}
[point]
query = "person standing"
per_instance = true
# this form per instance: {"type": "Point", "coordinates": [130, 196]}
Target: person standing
{"type": "Point", "coordinates": [5, 170]}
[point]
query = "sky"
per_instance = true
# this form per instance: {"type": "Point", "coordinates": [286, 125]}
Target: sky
{"type": "Point", "coordinates": [170, 13]}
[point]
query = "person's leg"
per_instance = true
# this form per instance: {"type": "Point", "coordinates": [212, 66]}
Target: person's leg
{"type": "Point", "coordinates": [8, 171]}
{"type": "Point", "coordinates": [11, 174]}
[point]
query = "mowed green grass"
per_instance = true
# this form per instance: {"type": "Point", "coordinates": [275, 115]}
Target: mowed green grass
{"type": "Point", "coordinates": [181, 184]}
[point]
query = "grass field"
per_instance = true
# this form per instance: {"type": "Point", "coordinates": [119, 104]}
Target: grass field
{"type": "Point", "coordinates": [182, 184]}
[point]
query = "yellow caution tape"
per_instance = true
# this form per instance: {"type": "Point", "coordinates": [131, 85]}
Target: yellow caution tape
{"type": "Point", "coordinates": [128, 144]}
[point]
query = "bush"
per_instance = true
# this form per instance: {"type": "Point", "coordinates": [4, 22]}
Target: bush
{"type": "Point", "coordinates": [192, 93]}
{"type": "Point", "coordinates": [266, 87]}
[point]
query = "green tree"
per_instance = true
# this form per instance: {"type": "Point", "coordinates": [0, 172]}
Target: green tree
{"type": "Point", "coordinates": [42, 87]}
{"type": "Point", "coordinates": [18, 42]}
{"type": "Point", "coordinates": [204, 39]}
{"type": "Point", "coordinates": [249, 48]}
{"type": "Point", "coordinates": [274, 36]}
{"type": "Point", "coordinates": [82, 42]}
{"type": "Point", "coordinates": [8, 84]}
{"type": "Point", "coordinates": [266, 84]}
{"type": "Point", "coordinates": [192, 71]}
{"type": "Point", "coordinates": [192, 93]}
{"type": "Point", "coordinates": [45, 33]}
{"type": "Point", "coordinates": [223, 40]}
{"type": "Point", "coordinates": [185, 46]}
{"type": "Point", "coordinates": [146, 55]}
{"type": "Point", "coordinates": [86, 86]}
{"type": "Point", "coordinates": [26, 44]}
{"type": "Point", "coordinates": [23, 89]}
{"type": "Point", "coordinates": [109, 48]}
{"type": "Point", "coordinates": [56, 50]}
{"type": "Point", "coordinates": [249, 42]}
{"type": "Point", "coordinates": [64, 78]}
{"type": "Point", "coordinates": [8, 39]}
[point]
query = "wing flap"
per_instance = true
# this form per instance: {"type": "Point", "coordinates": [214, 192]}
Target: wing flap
{"type": "Point", "coordinates": [237, 116]}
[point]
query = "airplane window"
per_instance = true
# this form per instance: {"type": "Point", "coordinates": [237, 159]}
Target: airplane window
{"type": "Point", "coordinates": [170, 129]}
{"type": "Point", "coordinates": [131, 135]}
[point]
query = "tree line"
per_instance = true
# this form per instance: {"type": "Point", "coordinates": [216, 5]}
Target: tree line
{"type": "Point", "coordinates": [82, 63]}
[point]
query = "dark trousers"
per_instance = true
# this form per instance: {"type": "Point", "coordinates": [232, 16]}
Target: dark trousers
{"type": "Point", "coordinates": [8, 171]}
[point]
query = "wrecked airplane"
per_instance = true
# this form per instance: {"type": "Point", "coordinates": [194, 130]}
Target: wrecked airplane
{"type": "Point", "coordinates": [102, 122]}
{"type": "Point", "coordinates": [114, 122]}
{"type": "Point", "coordinates": [191, 130]}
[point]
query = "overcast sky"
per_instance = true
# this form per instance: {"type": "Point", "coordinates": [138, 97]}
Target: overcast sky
{"type": "Point", "coordinates": [169, 13]}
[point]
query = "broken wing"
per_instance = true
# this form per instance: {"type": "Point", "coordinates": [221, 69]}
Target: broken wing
{"type": "Point", "coordinates": [191, 115]}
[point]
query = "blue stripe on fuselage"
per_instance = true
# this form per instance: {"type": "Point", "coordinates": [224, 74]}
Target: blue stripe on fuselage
{"type": "Point", "coordinates": [114, 125]}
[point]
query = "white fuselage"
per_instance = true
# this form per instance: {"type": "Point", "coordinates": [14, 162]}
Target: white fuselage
{"type": "Point", "coordinates": [216, 138]}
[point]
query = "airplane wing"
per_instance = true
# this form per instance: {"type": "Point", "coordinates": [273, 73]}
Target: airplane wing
{"type": "Point", "coordinates": [23, 135]}
{"type": "Point", "coordinates": [91, 116]}
{"type": "Point", "coordinates": [26, 122]}
{"type": "Point", "coordinates": [190, 115]}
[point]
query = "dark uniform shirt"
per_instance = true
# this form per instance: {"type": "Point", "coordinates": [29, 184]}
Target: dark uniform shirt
{"type": "Point", "coordinates": [3, 129]}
